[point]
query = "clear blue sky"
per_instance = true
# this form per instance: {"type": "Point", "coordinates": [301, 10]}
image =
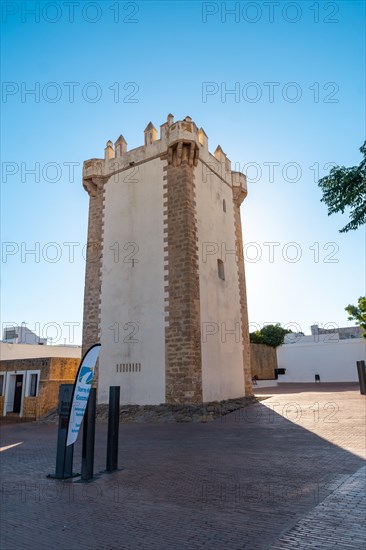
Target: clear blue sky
{"type": "Point", "coordinates": [312, 51]}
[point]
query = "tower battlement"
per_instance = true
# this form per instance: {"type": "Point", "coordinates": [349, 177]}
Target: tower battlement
{"type": "Point", "coordinates": [179, 141]}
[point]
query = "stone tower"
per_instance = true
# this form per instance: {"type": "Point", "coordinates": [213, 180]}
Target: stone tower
{"type": "Point", "coordinates": [165, 289]}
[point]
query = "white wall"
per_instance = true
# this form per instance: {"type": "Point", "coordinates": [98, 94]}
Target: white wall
{"type": "Point", "coordinates": [222, 360]}
{"type": "Point", "coordinates": [264, 384]}
{"type": "Point", "coordinates": [29, 351]}
{"type": "Point", "coordinates": [134, 214]}
{"type": "Point", "coordinates": [334, 360]}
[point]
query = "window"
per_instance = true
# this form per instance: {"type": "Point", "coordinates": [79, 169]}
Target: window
{"type": "Point", "coordinates": [220, 269]}
{"type": "Point", "coordinates": [33, 385]}
{"type": "Point", "coordinates": [224, 205]}
{"type": "Point", "coordinates": [2, 379]}
{"type": "Point", "coordinates": [10, 334]}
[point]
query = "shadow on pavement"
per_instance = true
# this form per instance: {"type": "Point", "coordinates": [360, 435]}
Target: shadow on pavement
{"type": "Point", "coordinates": [236, 482]}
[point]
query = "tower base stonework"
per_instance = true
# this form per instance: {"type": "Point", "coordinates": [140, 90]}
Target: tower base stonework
{"type": "Point", "coordinates": [170, 307]}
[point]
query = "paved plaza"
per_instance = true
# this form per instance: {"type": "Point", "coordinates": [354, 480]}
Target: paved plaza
{"type": "Point", "coordinates": [285, 473]}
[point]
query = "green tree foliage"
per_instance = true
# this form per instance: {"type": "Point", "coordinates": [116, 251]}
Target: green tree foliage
{"type": "Point", "coordinates": [271, 335]}
{"type": "Point", "coordinates": [358, 313]}
{"type": "Point", "coordinates": [346, 188]}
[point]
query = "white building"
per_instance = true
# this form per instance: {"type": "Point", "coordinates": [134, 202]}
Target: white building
{"type": "Point", "coordinates": [20, 334]}
{"type": "Point", "coordinates": [327, 355]}
{"type": "Point", "coordinates": [165, 282]}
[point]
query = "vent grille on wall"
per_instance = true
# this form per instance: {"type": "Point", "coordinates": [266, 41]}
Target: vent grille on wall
{"type": "Point", "coordinates": [128, 367]}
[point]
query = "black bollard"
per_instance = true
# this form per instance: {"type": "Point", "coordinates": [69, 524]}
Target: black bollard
{"type": "Point", "coordinates": [64, 455]}
{"type": "Point", "coordinates": [361, 369]}
{"type": "Point", "coordinates": [113, 429]}
{"type": "Point", "coordinates": [87, 457]}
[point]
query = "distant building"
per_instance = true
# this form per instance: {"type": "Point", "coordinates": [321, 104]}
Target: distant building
{"type": "Point", "coordinates": [328, 355]}
{"type": "Point", "coordinates": [30, 377]}
{"type": "Point", "coordinates": [20, 334]}
{"type": "Point", "coordinates": [326, 359]}
{"type": "Point", "coordinates": [344, 333]}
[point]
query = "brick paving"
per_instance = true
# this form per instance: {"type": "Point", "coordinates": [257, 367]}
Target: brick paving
{"type": "Point", "coordinates": [283, 473]}
{"type": "Point", "coordinates": [337, 522]}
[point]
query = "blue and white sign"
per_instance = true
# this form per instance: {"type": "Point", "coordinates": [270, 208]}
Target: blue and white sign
{"type": "Point", "coordinates": [81, 393]}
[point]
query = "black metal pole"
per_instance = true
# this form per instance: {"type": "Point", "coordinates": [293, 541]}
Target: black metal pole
{"type": "Point", "coordinates": [113, 429]}
{"type": "Point", "coordinates": [64, 455]}
{"type": "Point", "coordinates": [87, 457]}
{"type": "Point", "coordinates": [361, 369]}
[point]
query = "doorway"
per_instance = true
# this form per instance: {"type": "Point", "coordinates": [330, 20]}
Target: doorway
{"type": "Point", "coordinates": [17, 403]}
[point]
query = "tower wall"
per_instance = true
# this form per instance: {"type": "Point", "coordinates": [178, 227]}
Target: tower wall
{"type": "Point", "coordinates": [238, 199]}
{"type": "Point", "coordinates": [132, 292]}
{"type": "Point", "coordinates": [222, 369]}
